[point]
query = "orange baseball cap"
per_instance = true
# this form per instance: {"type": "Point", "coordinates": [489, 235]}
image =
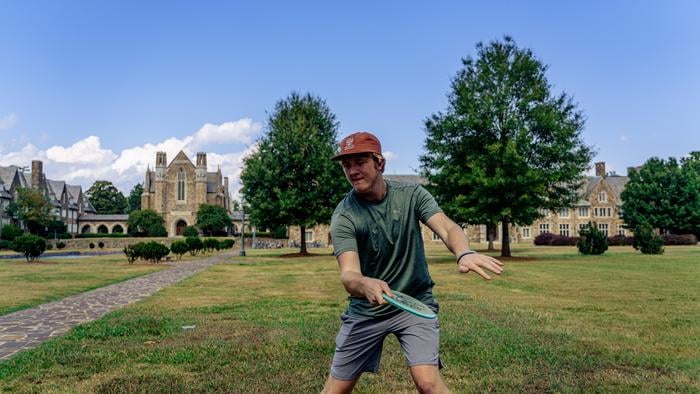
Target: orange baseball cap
{"type": "Point", "coordinates": [359, 142]}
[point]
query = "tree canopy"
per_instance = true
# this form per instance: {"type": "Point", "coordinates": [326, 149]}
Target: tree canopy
{"type": "Point", "coordinates": [505, 146]}
{"type": "Point", "coordinates": [664, 194]}
{"type": "Point", "coordinates": [133, 202]}
{"type": "Point", "coordinates": [142, 222]}
{"type": "Point", "coordinates": [106, 198]}
{"type": "Point", "coordinates": [212, 219]}
{"type": "Point", "coordinates": [290, 179]}
{"type": "Point", "coordinates": [34, 209]}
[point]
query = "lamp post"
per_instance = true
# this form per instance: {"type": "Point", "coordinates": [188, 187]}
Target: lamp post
{"type": "Point", "coordinates": [242, 250]}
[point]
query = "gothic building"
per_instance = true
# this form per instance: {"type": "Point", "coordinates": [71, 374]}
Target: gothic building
{"type": "Point", "coordinates": [176, 190]}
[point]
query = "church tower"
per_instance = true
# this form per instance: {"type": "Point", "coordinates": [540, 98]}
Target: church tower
{"type": "Point", "coordinates": [146, 195]}
{"type": "Point", "coordinates": [161, 183]}
{"type": "Point", "coordinates": [201, 179]}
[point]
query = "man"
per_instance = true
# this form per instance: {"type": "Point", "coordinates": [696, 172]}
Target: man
{"type": "Point", "coordinates": [377, 242]}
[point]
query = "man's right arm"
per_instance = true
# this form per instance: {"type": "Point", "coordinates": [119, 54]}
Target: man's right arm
{"type": "Point", "coordinates": [357, 284]}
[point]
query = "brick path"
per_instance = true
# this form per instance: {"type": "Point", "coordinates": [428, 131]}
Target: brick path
{"type": "Point", "coordinates": [30, 327]}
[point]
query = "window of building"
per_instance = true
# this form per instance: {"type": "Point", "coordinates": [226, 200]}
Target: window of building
{"type": "Point", "coordinates": [602, 197]}
{"type": "Point", "coordinates": [564, 213]}
{"type": "Point", "coordinates": [181, 185]}
{"type": "Point", "coordinates": [309, 235]}
{"type": "Point", "coordinates": [564, 229]}
{"type": "Point", "coordinates": [544, 212]}
{"type": "Point", "coordinates": [583, 212]}
{"type": "Point", "coordinates": [582, 226]}
{"type": "Point", "coordinates": [621, 231]}
{"type": "Point", "coordinates": [603, 227]}
{"type": "Point", "coordinates": [544, 228]}
{"type": "Point", "coordinates": [526, 232]}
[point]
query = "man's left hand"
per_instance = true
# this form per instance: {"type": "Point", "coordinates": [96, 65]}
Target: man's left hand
{"type": "Point", "coordinates": [478, 263]}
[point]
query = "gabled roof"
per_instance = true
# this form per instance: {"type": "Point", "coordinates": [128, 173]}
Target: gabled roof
{"type": "Point", "coordinates": [55, 190]}
{"type": "Point", "coordinates": [181, 156]}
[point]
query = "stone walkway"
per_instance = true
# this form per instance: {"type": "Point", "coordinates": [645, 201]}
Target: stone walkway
{"type": "Point", "coordinates": [29, 328]}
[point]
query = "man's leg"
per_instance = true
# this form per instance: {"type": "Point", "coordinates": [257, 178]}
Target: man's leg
{"type": "Point", "coordinates": [334, 385]}
{"type": "Point", "coordinates": [428, 380]}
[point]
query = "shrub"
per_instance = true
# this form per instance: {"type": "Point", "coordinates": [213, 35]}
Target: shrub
{"type": "Point", "coordinates": [157, 230]}
{"type": "Point", "coordinates": [130, 252]}
{"type": "Point", "coordinates": [194, 245]}
{"type": "Point", "coordinates": [60, 245]}
{"type": "Point", "coordinates": [10, 232]}
{"type": "Point", "coordinates": [679, 239]}
{"type": "Point", "coordinates": [647, 241]}
{"type": "Point", "coordinates": [555, 240]}
{"type": "Point", "coordinates": [592, 240]}
{"type": "Point", "coordinates": [155, 251]}
{"type": "Point", "coordinates": [92, 245]}
{"type": "Point", "coordinates": [49, 246]}
{"type": "Point", "coordinates": [227, 243]}
{"type": "Point", "coordinates": [544, 239]}
{"type": "Point", "coordinates": [210, 244]}
{"type": "Point", "coordinates": [101, 244]}
{"type": "Point", "coordinates": [190, 231]}
{"type": "Point", "coordinates": [31, 246]}
{"type": "Point", "coordinates": [179, 248]}
{"type": "Point", "coordinates": [5, 244]}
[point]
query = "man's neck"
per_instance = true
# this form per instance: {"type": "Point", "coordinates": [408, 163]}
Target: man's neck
{"type": "Point", "coordinates": [377, 192]}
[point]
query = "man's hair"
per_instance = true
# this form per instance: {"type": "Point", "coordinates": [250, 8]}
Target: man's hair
{"type": "Point", "coordinates": [380, 160]}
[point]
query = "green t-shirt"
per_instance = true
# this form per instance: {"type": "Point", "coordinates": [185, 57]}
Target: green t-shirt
{"type": "Point", "coordinates": [387, 237]}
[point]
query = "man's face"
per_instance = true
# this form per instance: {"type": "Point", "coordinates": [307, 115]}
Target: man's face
{"type": "Point", "coordinates": [362, 172]}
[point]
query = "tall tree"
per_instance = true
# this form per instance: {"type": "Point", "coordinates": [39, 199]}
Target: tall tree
{"type": "Point", "coordinates": [212, 219]}
{"type": "Point", "coordinates": [505, 146]}
{"type": "Point", "coordinates": [134, 199]}
{"type": "Point", "coordinates": [106, 198]}
{"type": "Point", "coordinates": [291, 180]}
{"type": "Point", "coordinates": [142, 222]}
{"type": "Point", "coordinates": [664, 194]}
{"type": "Point", "coordinates": [34, 209]}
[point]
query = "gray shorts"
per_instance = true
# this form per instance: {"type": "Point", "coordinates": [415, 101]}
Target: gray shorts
{"type": "Point", "coordinates": [358, 346]}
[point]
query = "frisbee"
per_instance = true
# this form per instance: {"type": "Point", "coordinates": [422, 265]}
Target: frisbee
{"type": "Point", "coordinates": [410, 304]}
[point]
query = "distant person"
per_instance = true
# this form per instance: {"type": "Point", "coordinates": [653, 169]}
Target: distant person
{"type": "Point", "coordinates": [378, 244]}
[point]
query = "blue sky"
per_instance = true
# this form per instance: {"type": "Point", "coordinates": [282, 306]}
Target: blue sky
{"type": "Point", "coordinates": [95, 88]}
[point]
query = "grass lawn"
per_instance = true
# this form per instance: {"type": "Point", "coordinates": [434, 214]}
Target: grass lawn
{"type": "Point", "coordinates": [555, 321]}
{"type": "Point", "coordinates": [25, 284]}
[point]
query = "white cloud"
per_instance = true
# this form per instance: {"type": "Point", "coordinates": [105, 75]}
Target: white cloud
{"type": "Point", "coordinates": [623, 138]}
{"type": "Point", "coordinates": [240, 131]}
{"type": "Point", "coordinates": [389, 155]}
{"type": "Point", "coordinates": [86, 151]}
{"type": "Point", "coordinates": [21, 158]}
{"type": "Point", "coordinates": [8, 121]}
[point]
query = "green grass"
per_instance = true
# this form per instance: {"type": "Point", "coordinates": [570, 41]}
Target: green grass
{"type": "Point", "coordinates": [554, 322]}
{"type": "Point", "coordinates": [25, 284]}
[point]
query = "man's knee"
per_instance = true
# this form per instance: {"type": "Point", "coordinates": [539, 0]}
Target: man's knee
{"type": "Point", "coordinates": [427, 380]}
{"type": "Point", "coordinates": [334, 386]}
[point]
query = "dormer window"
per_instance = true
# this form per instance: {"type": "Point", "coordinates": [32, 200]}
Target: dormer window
{"type": "Point", "coordinates": [181, 185]}
{"type": "Point", "coordinates": [602, 197]}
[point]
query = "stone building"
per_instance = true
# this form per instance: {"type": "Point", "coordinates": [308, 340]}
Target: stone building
{"type": "Point", "coordinates": [176, 190]}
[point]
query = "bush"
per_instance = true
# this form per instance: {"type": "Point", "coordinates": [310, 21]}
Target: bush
{"type": "Point", "coordinates": [620, 240]}
{"type": "Point", "coordinates": [190, 231]}
{"type": "Point", "coordinates": [10, 232]}
{"type": "Point", "coordinates": [31, 246]}
{"type": "Point", "coordinates": [194, 245]}
{"type": "Point", "coordinates": [130, 252]}
{"type": "Point", "coordinates": [154, 251]}
{"type": "Point", "coordinates": [544, 239]}
{"type": "Point", "coordinates": [592, 240]}
{"type": "Point", "coordinates": [210, 244]}
{"type": "Point", "coordinates": [679, 239]}
{"type": "Point", "coordinates": [555, 240]}
{"type": "Point", "coordinates": [647, 241]}
{"type": "Point", "coordinates": [101, 244]}
{"type": "Point", "coordinates": [49, 246]}
{"type": "Point", "coordinates": [179, 248]}
{"type": "Point", "coordinates": [60, 245]}
{"type": "Point", "coordinates": [157, 230]}
{"type": "Point", "coordinates": [227, 243]}
{"type": "Point", "coordinates": [5, 244]}
{"type": "Point", "coordinates": [92, 245]}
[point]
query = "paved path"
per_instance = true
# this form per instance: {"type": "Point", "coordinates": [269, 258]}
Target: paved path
{"type": "Point", "coordinates": [30, 327]}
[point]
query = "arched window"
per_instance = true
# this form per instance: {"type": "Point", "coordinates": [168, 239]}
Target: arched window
{"type": "Point", "coordinates": [102, 229]}
{"type": "Point", "coordinates": [181, 185]}
{"type": "Point", "coordinates": [118, 229]}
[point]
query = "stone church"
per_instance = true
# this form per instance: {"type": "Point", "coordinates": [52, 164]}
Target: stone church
{"type": "Point", "coordinates": [176, 190]}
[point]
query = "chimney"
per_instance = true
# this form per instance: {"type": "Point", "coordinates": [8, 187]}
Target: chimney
{"type": "Point", "coordinates": [37, 173]}
{"type": "Point", "coordinates": [600, 169]}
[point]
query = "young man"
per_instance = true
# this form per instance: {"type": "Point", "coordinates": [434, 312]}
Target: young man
{"type": "Point", "coordinates": [378, 245]}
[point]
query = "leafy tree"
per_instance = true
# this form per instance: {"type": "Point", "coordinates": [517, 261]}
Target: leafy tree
{"type": "Point", "coordinates": [157, 230]}
{"type": "Point", "coordinates": [10, 232]}
{"type": "Point", "coordinates": [664, 194]}
{"type": "Point", "coordinates": [592, 240]}
{"type": "Point", "coordinates": [140, 222]}
{"type": "Point", "coordinates": [505, 146]}
{"type": "Point", "coordinates": [212, 218]}
{"type": "Point", "coordinates": [34, 209]}
{"type": "Point", "coordinates": [106, 198]}
{"type": "Point", "coordinates": [190, 231]}
{"type": "Point", "coordinates": [646, 240]}
{"type": "Point", "coordinates": [194, 245]}
{"type": "Point", "coordinates": [57, 229]}
{"type": "Point", "coordinates": [133, 202]}
{"type": "Point", "coordinates": [32, 246]}
{"type": "Point", "coordinates": [290, 180]}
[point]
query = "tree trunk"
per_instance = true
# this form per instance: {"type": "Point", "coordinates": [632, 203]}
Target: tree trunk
{"type": "Point", "coordinates": [505, 242]}
{"type": "Point", "coordinates": [491, 234]}
{"type": "Point", "coordinates": [302, 247]}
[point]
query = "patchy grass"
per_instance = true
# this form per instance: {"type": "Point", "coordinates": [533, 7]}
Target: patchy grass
{"type": "Point", "coordinates": [25, 285]}
{"type": "Point", "coordinates": [555, 321]}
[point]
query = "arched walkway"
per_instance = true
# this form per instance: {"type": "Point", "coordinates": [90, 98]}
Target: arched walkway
{"type": "Point", "coordinates": [86, 229]}
{"type": "Point", "coordinates": [102, 229]}
{"type": "Point", "coordinates": [118, 229]}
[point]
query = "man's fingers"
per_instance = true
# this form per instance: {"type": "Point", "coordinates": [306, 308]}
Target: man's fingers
{"type": "Point", "coordinates": [481, 272]}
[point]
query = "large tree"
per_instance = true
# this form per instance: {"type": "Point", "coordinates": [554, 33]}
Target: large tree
{"type": "Point", "coordinates": [34, 209]}
{"type": "Point", "coordinates": [212, 219]}
{"type": "Point", "coordinates": [290, 179]}
{"type": "Point", "coordinates": [505, 146]}
{"type": "Point", "coordinates": [664, 194]}
{"type": "Point", "coordinates": [133, 202]}
{"type": "Point", "coordinates": [145, 222]}
{"type": "Point", "coordinates": [106, 198]}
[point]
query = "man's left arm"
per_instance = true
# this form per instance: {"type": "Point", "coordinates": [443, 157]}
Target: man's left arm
{"type": "Point", "coordinates": [456, 241]}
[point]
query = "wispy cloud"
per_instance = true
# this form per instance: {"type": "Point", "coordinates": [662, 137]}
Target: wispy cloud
{"type": "Point", "coordinates": [86, 160]}
{"type": "Point", "coordinates": [623, 138]}
{"type": "Point", "coordinates": [8, 121]}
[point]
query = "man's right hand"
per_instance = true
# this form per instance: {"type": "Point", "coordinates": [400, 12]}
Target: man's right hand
{"type": "Point", "coordinates": [374, 290]}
